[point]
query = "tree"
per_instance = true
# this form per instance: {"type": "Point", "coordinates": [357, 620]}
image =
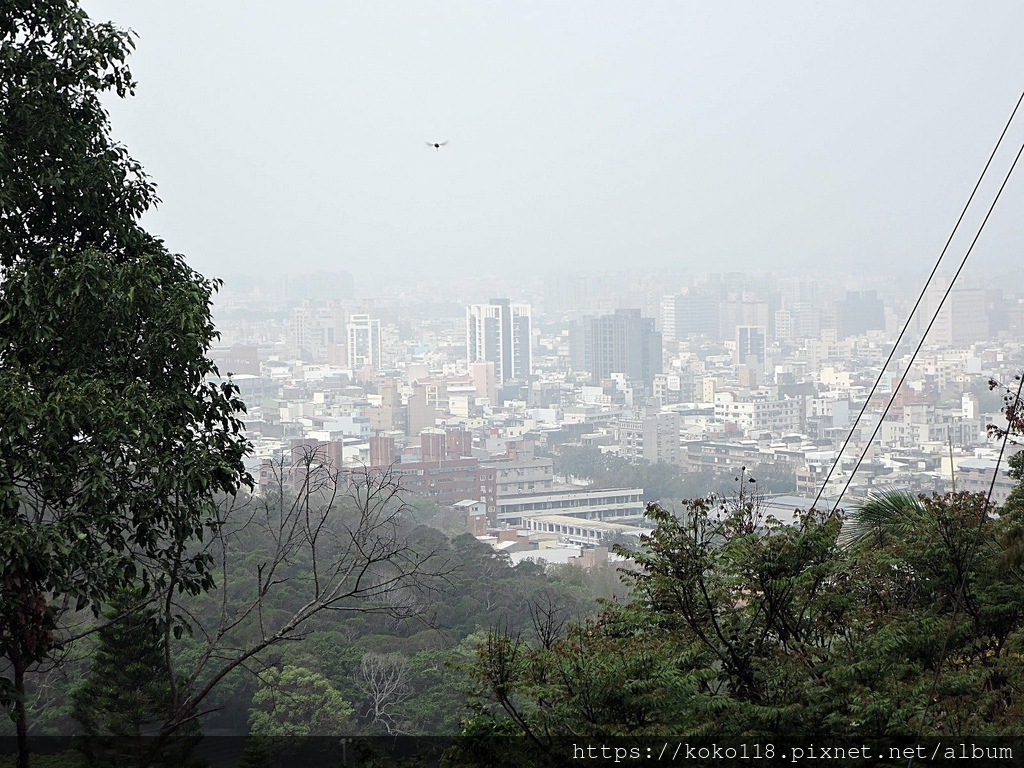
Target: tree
{"type": "Point", "coordinates": [383, 680]}
{"type": "Point", "coordinates": [1012, 432]}
{"type": "Point", "coordinates": [65, 185]}
{"type": "Point", "coordinates": [877, 518]}
{"type": "Point", "coordinates": [258, 753]}
{"type": "Point", "coordinates": [127, 692]}
{"type": "Point", "coordinates": [295, 703]}
{"type": "Point", "coordinates": [937, 625]}
{"type": "Point", "coordinates": [441, 682]}
{"type": "Point", "coordinates": [662, 482]}
{"type": "Point", "coordinates": [741, 627]}
{"type": "Point", "coordinates": [316, 542]}
{"type": "Point", "coordinates": [753, 599]}
{"type": "Point", "coordinates": [113, 439]}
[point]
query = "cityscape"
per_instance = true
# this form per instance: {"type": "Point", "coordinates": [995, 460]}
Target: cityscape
{"type": "Point", "coordinates": [490, 385]}
{"type": "Point", "coordinates": [470, 399]}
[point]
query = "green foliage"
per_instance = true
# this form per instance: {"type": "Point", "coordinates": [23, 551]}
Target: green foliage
{"type": "Point", "coordinates": [749, 599]}
{"type": "Point", "coordinates": [440, 681]}
{"type": "Point", "coordinates": [935, 607]}
{"type": "Point", "coordinates": [741, 627]}
{"type": "Point", "coordinates": [437, 650]}
{"type": "Point", "coordinates": [127, 692]}
{"type": "Point", "coordinates": [663, 482]}
{"type": "Point", "coordinates": [773, 478]}
{"type": "Point", "coordinates": [113, 441]}
{"type": "Point", "coordinates": [485, 741]}
{"type": "Point", "coordinates": [294, 703]}
{"type": "Point", "coordinates": [605, 470]}
{"type": "Point", "coordinates": [1014, 504]}
{"type": "Point", "coordinates": [112, 438]}
{"type": "Point", "coordinates": [876, 519]}
{"type": "Point", "coordinates": [66, 185]}
{"type": "Point", "coordinates": [1013, 512]}
{"type": "Point", "coordinates": [480, 589]}
{"type": "Point", "coordinates": [258, 753]}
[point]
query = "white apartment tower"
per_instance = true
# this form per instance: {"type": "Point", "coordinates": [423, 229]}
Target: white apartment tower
{"type": "Point", "coordinates": [363, 341]}
{"type": "Point", "coordinates": [501, 333]}
{"type": "Point", "coordinates": [687, 314]}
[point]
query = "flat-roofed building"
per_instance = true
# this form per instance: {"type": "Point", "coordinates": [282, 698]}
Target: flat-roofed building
{"type": "Point", "coordinates": [651, 437]}
{"type": "Point", "coordinates": [363, 334]}
{"type": "Point", "coordinates": [500, 332]}
{"type": "Point", "coordinates": [522, 476]}
{"type": "Point", "coordinates": [758, 413]}
{"type": "Point", "coordinates": [587, 533]}
{"type": "Point", "coordinates": [448, 481]}
{"type": "Point", "coordinates": [975, 476]}
{"type": "Point", "coordinates": [624, 342]}
{"type": "Point", "coordinates": [594, 504]}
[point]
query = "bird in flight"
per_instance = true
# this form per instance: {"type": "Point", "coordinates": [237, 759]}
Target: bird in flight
{"type": "Point", "coordinates": [436, 144]}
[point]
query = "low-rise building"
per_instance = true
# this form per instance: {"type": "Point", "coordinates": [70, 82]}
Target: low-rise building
{"type": "Point", "coordinates": [593, 504]}
{"type": "Point", "coordinates": [758, 412]}
{"type": "Point", "coordinates": [588, 533]}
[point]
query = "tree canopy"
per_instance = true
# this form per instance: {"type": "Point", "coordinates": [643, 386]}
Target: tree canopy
{"type": "Point", "coordinates": [114, 433]}
{"type": "Point", "coordinates": [743, 628]}
{"type": "Point", "coordinates": [664, 482]}
{"type": "Point", "coordinates": [65, 184]}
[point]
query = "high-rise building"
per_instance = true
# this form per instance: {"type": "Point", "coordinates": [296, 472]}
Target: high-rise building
{"type": "Point", "coordinates": [744, 311]}
{"type": "Point", "coordinates": [796, 321]}
{"type": "Point", "coordinates": [686, 314]}
{"type": "Point", "coordinates": [651, 436]}
{"type": "Point", "coordinates": [860, 312]}
{"type": "Point", "coordinates": [623, 343]}
{"type": "Point", "coordinates": [752, 346]}
{"type": "Point", "coordinates": [963, 318]}
{"type": "Point", "coordinates": [501, 333]}
{"type": "Point", "coordinates": [315, 330]}
{"type": "Point", "coordinates": [363, 341]}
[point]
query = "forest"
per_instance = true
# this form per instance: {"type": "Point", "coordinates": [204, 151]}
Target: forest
{"type": "Point", "coordinates": [151, 603]}
{"type": "Point", "coordinates": [363, 622]}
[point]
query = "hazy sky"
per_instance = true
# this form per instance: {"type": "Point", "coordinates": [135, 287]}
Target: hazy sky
{"type": "Point", "coordinates": [705, 136]}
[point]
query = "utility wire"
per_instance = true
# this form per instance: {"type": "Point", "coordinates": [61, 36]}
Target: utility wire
{"type": "Point", "coordinates": [913, 311]}
{"type": "Point", "coordinates": [962, 586]}
{"type": "Point", "coordinates": [924, 336]}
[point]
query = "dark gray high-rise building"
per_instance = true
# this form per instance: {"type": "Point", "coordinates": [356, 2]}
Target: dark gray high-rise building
{"type": "Point", "coordinates": [860, 312]}
{"type": "Point", "coordinates": [623, 343]}
{"type": "Point", "coordinates": [752, 346]}
{"type": "Point", "coordinates": [500, 333]}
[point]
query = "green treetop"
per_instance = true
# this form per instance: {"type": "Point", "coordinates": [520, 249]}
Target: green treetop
{"type": "Point", "coordinates": [112, 438]}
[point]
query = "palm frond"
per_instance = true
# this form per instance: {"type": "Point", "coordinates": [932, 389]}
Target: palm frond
{"type": "Point", "coordinates": [882, 516]}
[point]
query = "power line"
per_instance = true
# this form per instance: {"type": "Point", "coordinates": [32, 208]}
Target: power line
{"type": "Point", "coordinates": [910, 317]}
{"type": "Point", "coordinates": [983, 516]}
{"type": "Point", "coordinates": [924, 336]}
{"type": "Point", "coordinates": [961, 592]}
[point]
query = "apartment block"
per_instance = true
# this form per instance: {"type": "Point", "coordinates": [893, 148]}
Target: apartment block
{"type": "Point", "coordinates": [500, 332]}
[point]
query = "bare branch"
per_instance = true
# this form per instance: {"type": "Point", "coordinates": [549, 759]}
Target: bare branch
{"type": "Point", "coordinates": [340, 540]}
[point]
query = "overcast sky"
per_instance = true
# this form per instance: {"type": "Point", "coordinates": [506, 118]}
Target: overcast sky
{"type": "Point", "coordinates": [704, 136]}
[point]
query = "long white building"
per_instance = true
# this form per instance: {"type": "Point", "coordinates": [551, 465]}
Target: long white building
{"type": "Point", "coordinates": [593, 504]}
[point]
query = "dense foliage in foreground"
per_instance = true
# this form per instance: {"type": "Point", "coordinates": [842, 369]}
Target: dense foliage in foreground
{"type": "Point", "coordinates": [907, 624]}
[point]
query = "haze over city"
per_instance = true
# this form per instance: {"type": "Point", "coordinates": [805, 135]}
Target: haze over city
{"type": "Point", "coordinates": [700, 137]}
{"type": "Point", "coordinates": [493, 381]}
